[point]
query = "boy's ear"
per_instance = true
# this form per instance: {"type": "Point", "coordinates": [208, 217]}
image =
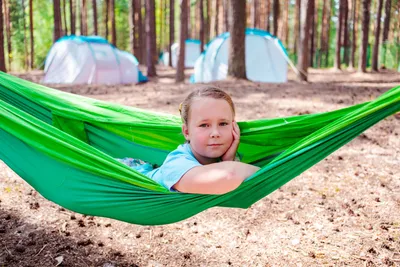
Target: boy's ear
{"type": "Point", "coordinates": [185, 131]}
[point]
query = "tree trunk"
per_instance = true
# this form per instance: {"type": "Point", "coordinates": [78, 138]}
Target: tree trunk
{"type": "Point", "coordinates": [226, 14]}
{"type": "Point", "coordinates": [312, 37]}
{"type": "Point", "coordinates": [201, 25]}
{"type": "Point", "coordinates": [95, 27]}
{"type": "Point", "coordinates": [65, 17]}
{"type": "Point", "coordinates": [161, 26]}
{"type": "Point", "coordinates": [138, 30]}
{"type": "Point", "coordinates": [2, 58]}
{"type": "Point", "coordinates": [345, 37]}
{"type": "Point", "coordinates": [106, 11]}
{"type": "Point", "coordinates": [276, 16]}
{"type": "Point", "coordinates": [113, 26]}
{"type": "Point", "coordinates": [57, 20]}
{"type": "Point", "coordinates": [354, 19]}
{"type": "Point", "coordinates": [386, 23]}
{"type": "Point", "coordinates": [375, 54]}
{"type": "Point", "coordinates": [237, 62]}
{"type": "Point", "coordinates": [386, 27]}
{"type": "Point", "coordinates": [72, 10]}
{"type": "Point", "coordinates": [207, 32]}
{"type": "Point", "coordinates": [132, 29]}
{"type": "Point", "coordinates": [322, 36]}
{"type": "Point", "coordinates": [362, 63]}
{"type": "Point", "coordinates": [339, 36]}
{"type": "Point", "coordinates": [171, 30]}
{"type": "Point", "coordinates": [180, 71]}
{"type": "Point", "coordinates": [285, 24]}
{"type": "Point", "coordinates": [267, 15]}
{"type": "Point", "coordinates": [150, 36]}
{"type": "Point", "coordinates": [144, 32]}
{"type": "Point", "coordinates": [31, 61]}
{"type": "Point", "coordinates": [8, 32]}
{"type": "Point", "coordinates": [296, 30]}
{"type": "Point", "coordinates": [328, 30]}
{"type": "Point", "coordinates": [307, 11]}
{"type": "Point", "coordinates": [83, 11]}
{"type": "Point", "coordinates": [216, 18]}
{"type": "Point", "coordinates": [26, 59]}
{"type": "Point", "coordinates": [254, 14]}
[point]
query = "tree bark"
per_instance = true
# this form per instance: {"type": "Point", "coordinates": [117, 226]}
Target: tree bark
{"type": "Point", "coordinates": [106, 11]}
{"type": "Point", "coordinates": [386, 23]}
{"type": "Point", "coordinates": [267, 15]}
{"type": "Point", "coordinates": [296, 30]}
{"type": "Point", "coordinates": [375, 54]}
{"type": "Point", "coordinates": [26, 59]}
{"type": "Point", "coordinates": [276, 16]}
{"type": "Point", "coordinates": [113, 26]}
{"type": "Point", "coordinates": [254, 14]}
{"type": "Point", "coordinates": [180, 71]}
{"type": "Point", "coordinates": [65, 17]}
{"type": "Point", "coordinates": [32, 53]}
{"type": "Point", "coordinates": [328, 30]}
{"type": "Point", "coordinates": [57, 20]}
{"type": "Point", "coordinates": [285, 24]}
{"type": "Point", "coordinates": [216, 18]}
{"type": "Point", "coordinates": [84, 29]}
{"type": "Point", "coordinates": [323, 33]}
{"type": "Point", "coordinates": [207, 32]}
{"type": "Point", "coordinates": [171, 30]}
{"type": "Point", "coordinates": [2, 58]}
{"type": "Point", "coordinates": [132, 29]}
{"type": "Point", "coordinates": [95, 26]}
{"type": "Point", "coordinates": [307, 11]}
{"type": "Point", "coordinates": [345, 37]}
{"type": "Point", "coordinates": [237, 62]}
{"type": "Point", "coordinates": [8, 32]}
{"type": "Point", "coordinates": [312, 37]}
{"type": "Point", "coordinates": [226, 14]}
{"type": "Point", "coordinates": [362, 63]}
{"type": "Point", "coordinates": [386, 27]}
{"type": "Point", "coordinates": [339, 36]}
{"type": "Point", "coordinates": [150, 36]}
{"type": "Point", "coordinates": [138, 31]}
{"type": "Point", "coordinates": [354, 19]}
{"type": "Point", "coordinates": [201, 25]}
{"type": "Point", "coordinates": [72, 10]}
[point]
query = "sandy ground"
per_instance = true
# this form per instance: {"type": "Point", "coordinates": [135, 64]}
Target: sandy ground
{"type": "Point", "coordinates": [343, 211]}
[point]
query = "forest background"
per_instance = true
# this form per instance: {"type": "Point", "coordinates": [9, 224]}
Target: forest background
{"type": "Point", "coordinates": [31, 26]}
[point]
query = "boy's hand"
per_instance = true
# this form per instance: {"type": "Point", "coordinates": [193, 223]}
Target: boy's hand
{"type": "Point", "coordinates": [230, 154]}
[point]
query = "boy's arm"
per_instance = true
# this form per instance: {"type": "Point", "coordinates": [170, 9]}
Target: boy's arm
{"type": "Point", "coordinates": [216, 178]}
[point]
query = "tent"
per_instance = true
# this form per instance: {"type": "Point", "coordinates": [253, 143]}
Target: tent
{"type": "Point", "coordinates": [90, 60]}
{"type": "Point", "coordinates": [266, 58]}
{"type": "Point", "coordinates": [192, 52]}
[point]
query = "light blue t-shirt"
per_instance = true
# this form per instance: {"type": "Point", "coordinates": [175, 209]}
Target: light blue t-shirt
{"type": "Point", "coordinates": [177, 163]}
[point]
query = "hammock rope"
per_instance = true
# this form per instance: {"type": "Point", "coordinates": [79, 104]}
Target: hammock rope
{"type": "Point", "coordinates": [65, 146]}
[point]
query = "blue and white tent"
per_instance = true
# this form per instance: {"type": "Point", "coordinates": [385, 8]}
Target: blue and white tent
{"type": "Point", "coordinates": [266, 59]}
{"type": "Point", "coordinates": [90, 60]}
{"type": "Point", "coordinates": [192, 52]}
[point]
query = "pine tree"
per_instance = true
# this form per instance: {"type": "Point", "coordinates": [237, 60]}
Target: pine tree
{"type": "Point", "coordinates": [237, 63]}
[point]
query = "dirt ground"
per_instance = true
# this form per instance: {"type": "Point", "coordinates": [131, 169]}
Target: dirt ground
{"type": "Point", "coordinates": [344, 211]}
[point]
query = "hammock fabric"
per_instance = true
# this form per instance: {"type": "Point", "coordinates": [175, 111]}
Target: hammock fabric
{"type": "Point", "coordinates": [65, 146]}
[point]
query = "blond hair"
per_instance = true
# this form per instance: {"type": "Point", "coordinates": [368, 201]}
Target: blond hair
{"type": "Point", "coordinates": [209, 91]}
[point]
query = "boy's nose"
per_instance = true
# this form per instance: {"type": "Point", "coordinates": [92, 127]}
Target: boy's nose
{"type": "Point", "coordinates": [214, 133]}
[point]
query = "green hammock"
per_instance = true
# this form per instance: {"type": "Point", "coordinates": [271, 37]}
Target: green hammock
{"type": "Point", "coordinates": [65, 146]}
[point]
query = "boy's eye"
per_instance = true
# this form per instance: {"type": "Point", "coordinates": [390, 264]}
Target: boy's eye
{"type": "Point", "coordinates": [203, 125]}
{"type": "Point", "coordinates": [223, 123]}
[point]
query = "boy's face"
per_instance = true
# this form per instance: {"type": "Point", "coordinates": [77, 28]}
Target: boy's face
{"type": "Point", "coordinates": [209, 128]}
